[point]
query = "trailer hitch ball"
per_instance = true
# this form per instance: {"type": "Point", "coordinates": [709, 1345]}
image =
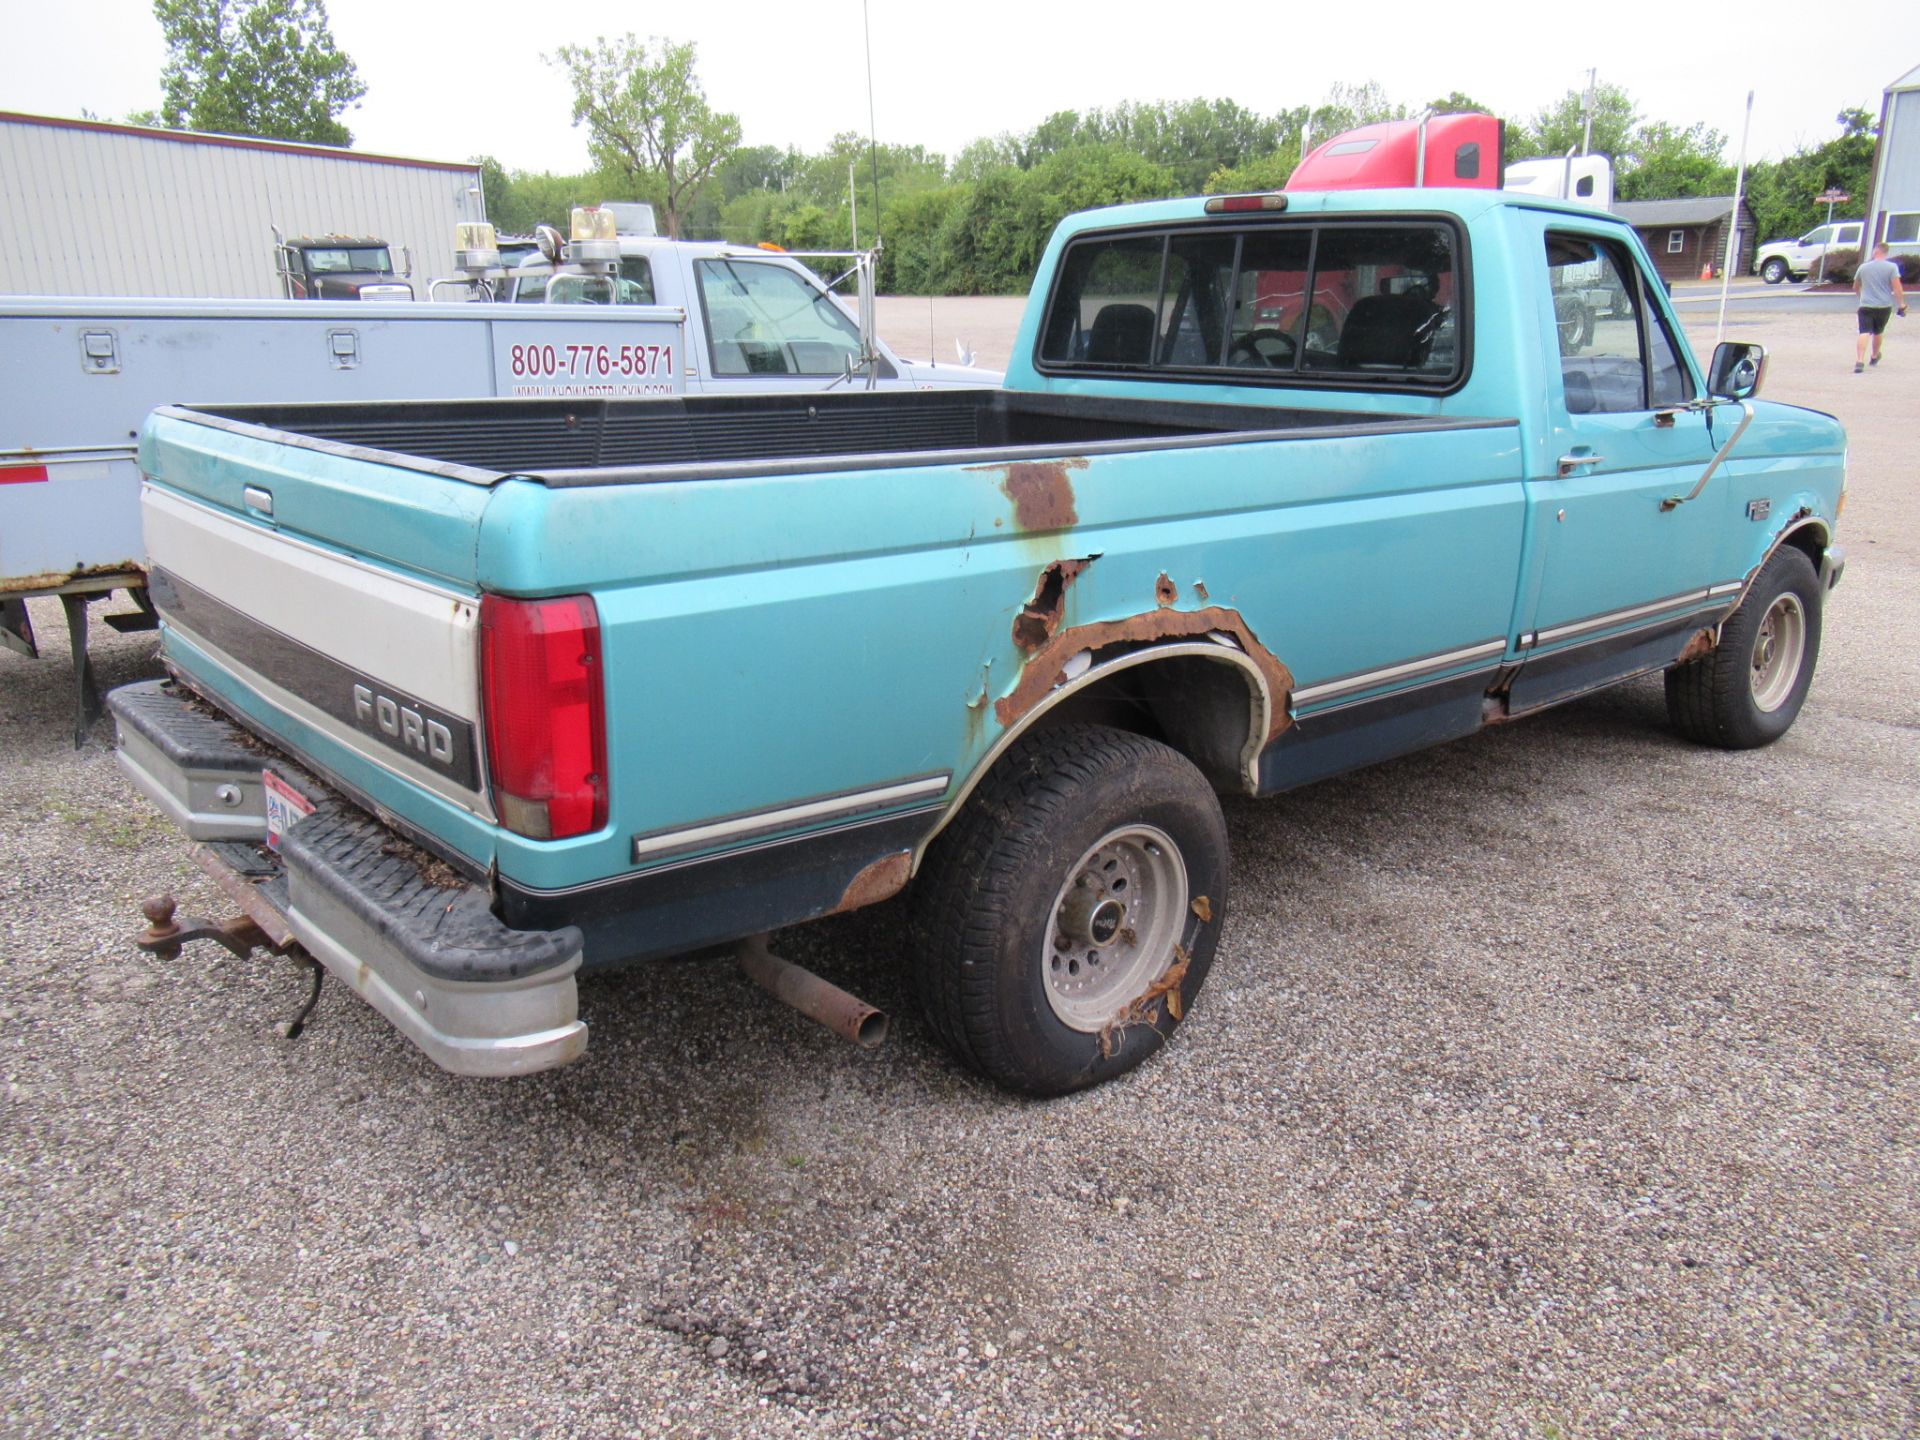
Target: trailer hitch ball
{"type": "Point", "coordinates": [165, 935]}
{"type": "Point", "coordinates": [241, 936]}
{"type": "Point", "coordinates": [162, 936]}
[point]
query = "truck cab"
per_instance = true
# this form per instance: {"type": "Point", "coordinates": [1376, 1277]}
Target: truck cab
{"type": "Point", "coordinates": [758, 321]}
{"type": "Point", "coordinates": [338, 267]}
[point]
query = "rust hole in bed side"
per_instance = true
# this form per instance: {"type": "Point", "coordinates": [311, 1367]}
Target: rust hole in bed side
{"type": "Point", "coordinates": [1046, 667]}
{"type": "Point", "coordinates": [1040, 616]}
{"type": "Point", "coordinates": [1165, 591]}
{"type": "Point", "coordinates": [1041, 492]}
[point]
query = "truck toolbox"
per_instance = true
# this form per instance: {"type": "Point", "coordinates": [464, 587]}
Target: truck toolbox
{"type": "Point", "coordinates": [414, 939]}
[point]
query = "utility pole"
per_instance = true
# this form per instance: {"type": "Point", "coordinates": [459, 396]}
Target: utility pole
{"type": "Point", "coordinates": [1586, 137]}
{"type": "Point", "coordinates": [1733, 223]}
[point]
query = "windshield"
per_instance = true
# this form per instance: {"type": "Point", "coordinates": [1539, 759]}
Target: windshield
{"type": "Point", "coordinates": [358, 257]}
{"type": "Point", "coordinates": [767, 319]}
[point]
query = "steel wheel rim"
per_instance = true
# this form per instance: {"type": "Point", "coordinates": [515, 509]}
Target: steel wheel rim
{"type": "Point", "coordinates": [1778, 649]}
{"type": "Point", "coordinates": [1113, 926]}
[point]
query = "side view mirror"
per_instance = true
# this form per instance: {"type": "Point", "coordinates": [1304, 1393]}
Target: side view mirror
{"type": "Point", "coordinates": [1737, 370]}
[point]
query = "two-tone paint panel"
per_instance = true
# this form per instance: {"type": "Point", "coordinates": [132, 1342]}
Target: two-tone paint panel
{"type": "Point", "coordinates": [371, 673]}
{"type": "Point", "coordinates": [869, 639]}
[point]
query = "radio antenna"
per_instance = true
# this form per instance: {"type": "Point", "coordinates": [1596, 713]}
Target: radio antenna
{"type": "Point", "coordinates": [873, 143]}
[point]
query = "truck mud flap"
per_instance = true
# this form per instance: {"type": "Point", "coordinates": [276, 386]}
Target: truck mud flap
{"type": "Point", "coordinates": [414, 939]}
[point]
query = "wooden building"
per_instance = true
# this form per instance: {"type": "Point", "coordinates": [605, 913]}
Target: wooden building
{"type": "Point", "coordinates": [1684, 236]}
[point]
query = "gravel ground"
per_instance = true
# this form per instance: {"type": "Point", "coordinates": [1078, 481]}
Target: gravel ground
{"type": "Point", "coordinates": [1557, 1083]}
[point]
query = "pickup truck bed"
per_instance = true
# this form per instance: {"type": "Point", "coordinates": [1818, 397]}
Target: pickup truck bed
{"type": "Point", "coordinates": [615, 442]}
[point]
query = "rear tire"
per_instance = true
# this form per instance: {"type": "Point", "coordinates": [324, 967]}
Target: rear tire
{"type": "Point", "coordinates": [1748, 690]}
{"type": "Point", "coordinates": [1064, 922]}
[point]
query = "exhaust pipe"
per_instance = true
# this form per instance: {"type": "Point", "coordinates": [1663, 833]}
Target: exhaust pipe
{"type": "Point", "coordinates": [848, 1016]}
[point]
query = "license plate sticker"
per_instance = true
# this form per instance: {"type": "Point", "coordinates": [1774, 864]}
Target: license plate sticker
{"type": "Point", "coordinates": [286, 807]}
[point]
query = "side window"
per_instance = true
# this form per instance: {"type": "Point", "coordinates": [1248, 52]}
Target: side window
{"type": "Point", "coordinates": [633, 286]}
{"type": "Point", "coordinates": [766, 319]}
{"type": "Point", "coordinates": [1671, 383]}
{"type": "Point", "coordinates": [1610, 361]}
{"type": "Point", "coordinates": [636, 280]}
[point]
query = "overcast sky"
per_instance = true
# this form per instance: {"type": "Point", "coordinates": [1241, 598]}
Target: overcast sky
{"type": "Point", "coordinates": [453, 80]}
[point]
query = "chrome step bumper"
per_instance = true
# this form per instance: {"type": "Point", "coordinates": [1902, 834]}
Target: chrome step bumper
{"type": "Point", "coordinates": [421, 946]}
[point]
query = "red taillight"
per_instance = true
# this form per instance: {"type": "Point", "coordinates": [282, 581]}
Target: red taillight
{"type": "Point", "coordinates": [545, 714]}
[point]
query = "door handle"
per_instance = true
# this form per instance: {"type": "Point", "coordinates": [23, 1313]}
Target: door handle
{"type": "Point", "coordinates": [1571, 463]}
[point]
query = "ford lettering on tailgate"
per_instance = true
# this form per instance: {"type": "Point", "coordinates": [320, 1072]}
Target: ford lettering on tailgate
{"type": "Point", "coordinates": [424, 733]}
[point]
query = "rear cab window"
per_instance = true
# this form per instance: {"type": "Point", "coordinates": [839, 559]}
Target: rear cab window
{"type": "Point", "coordinates": [1334, 304]}
{"type": "Point", "coordinates": [632, 286]}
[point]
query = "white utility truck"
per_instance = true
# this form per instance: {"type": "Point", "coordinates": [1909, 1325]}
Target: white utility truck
{"type": "Point", "coordinates": [79, 376]}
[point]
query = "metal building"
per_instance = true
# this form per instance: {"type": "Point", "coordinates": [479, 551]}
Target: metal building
{"type": "Point", "coordinates": [88, 208]}
{"type": "Point", "coordinates": [1893, 208]}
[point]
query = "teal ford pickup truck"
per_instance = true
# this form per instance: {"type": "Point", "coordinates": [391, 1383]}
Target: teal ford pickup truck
{"type": "Point", "coordinates": [469, 696]}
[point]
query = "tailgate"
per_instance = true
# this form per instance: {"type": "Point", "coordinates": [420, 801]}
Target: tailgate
{"type": "Point", "coordinates": [274, 568]}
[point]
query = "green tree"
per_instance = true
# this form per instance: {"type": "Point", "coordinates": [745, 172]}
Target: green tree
{"type": "Point", "coordinates": [647, 118]}
{"type": "Point", "coordinates": [1049, 137]}
{"type": "Point", "coordinates": [1349, 106]}
{"type": "Point", "coordinates": [1082, 178]}
{"type": "Point", "coordinates": [1265, 172]}
{"type": "Point", "coordinates": [1783, 191]}
{"type": "Point", "coordinates": [1561, 126]}
{"type": "Point", "coordinates": [911, 262]}
{"type": "Point", "coordinates": [1665, 162]}
{"type": "Point", "coordinates": [269, 69]}
{"type": "Point", "coordinates": [1454, 103]}
{"type": "Point", "coordinates": [989, 153]}
{"type": "Point", "coordinates": [757, 167]}
{"type": "Point", "coordinates": [521, 199]}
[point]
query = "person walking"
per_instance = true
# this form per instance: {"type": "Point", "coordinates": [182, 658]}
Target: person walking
{"type": "Point", "coordinates": [1877, 283]}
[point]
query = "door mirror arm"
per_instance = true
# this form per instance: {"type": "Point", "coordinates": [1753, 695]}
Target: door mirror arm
{"type": "Point", "coordinates": [1674, 502]}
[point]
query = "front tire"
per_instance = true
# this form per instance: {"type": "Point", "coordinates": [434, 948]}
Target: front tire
{"type": "Point", "coordinates": [1748, 690]}
{"type": "Point", "coordinates": [1774, 271]}
{"type": "Point", "coordinates": [1066, 919]}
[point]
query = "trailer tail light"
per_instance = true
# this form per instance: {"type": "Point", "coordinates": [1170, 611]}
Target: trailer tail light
{"type": "Point", "coordinates": [545, 713]}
